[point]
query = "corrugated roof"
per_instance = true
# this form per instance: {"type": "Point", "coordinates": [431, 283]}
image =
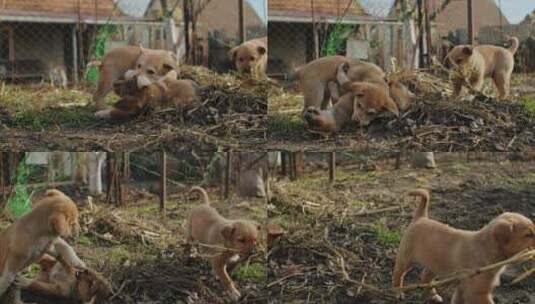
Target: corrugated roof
{"type": "Point", "coordinates": [322, 9]}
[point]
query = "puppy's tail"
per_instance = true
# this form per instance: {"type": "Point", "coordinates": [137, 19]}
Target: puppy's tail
{"type": "Point", "coordinates": [514, 44]}
{"type": "Point", "coordinates": [203, 193]}
{"type": "Point", "coordinates": [421, 211]}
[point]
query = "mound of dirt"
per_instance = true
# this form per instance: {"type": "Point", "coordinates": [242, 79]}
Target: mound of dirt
{"type": "Point", "coordinates": [232, 111]}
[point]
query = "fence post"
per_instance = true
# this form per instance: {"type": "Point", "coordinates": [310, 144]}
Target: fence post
{"type": "Point", "coordinates": [163, 181]}
{"type": "Point", "coordinates": [75, 54]}
{"type": "Point", "coordinates": [284, 163]}
{"type": "Point", "coordinates": [470, 20]}
{"type": "Point", "coordinates": [332, 166]}
{"type": "Point", "coordinates": [241, 19]}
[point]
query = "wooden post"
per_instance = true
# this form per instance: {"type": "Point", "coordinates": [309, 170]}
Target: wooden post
{"type": "Point", "coordinates": [126, 165]}
{"type": "Point", "coordinates": [291, 156]}
{"type": "Point", "coordinates": [470, 13]}
{"type": "Point", "coordinates": [228, 169]}
{"type": "Point", "coordinates": [421, 34]}
{"type": "Point", "coordinates": [398, 160]}
{"type": "Point", "coordinates": [332, 166]}
{"type": "Point", "coordinates": [186, 17]}
{"type": "Point", "coordinates": [284, 163]}
{"type": "Point", "coordinates": [429, 42]}
{"type": "Point", "coordinates": [163, 181]}
{"type": "Point", "coordinates": [315, 32]}
{"type": "Point", "coordinates": [241, 20]}
{"type": "Point", "coordinates": [111, 176]}
{"type": "Point", "coordinates": [74, 55]}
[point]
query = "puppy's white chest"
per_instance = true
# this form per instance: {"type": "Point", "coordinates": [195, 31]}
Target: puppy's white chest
{"type": "Point", "coordinates": [235, 258]}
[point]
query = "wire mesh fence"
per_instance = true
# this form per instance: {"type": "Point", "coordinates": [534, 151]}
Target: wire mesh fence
{"type": "Point", "coordinates": [301, 31]}
{"type": "Point", "coordinates": [53, 41]}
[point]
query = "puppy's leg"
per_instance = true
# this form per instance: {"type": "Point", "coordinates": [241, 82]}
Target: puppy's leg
{"type": "Point", "coordinates": [477, 81]}
{"type": "Point", "coordinates": [66, 254]}
{"type": "Point", "coordinates": [6, 279]}
{"type": "Point", "coordinates": [106, 78]}
{"type": "Point", "coordinates": [219, 266]}
{"type": "Point", "coordinates": [44, 288]}
{"type": "Point", "coordinates": [402, 266]}
{"type": "Point", "coordinates": [426, 276]}
{"type": "Point", "coordinates": [314, 92]}
{"type": "Point", "coordinates": [333, 90]}
{"type": "Point", "coordinates": [501, 81]}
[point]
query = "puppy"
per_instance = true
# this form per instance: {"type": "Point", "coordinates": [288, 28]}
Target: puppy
{"type": "Point", "coordinates": [364, 102]}
{"type": "Point", "coordinates": [183, 94]}
{"type": "Point", "coordinates": [228, 238]}
{"type": "Point", "coordinates": [251, 57]}
{"type": "Point", "coordinates": [485, 61]}
{"type": "Point", "coordinates": [442, 250]}
{"type": "Point", "coordinates": [60, 280]}
{"type": "Point", "coordinates": [147, 64]}
{"type": "Point", "coordinates": [37, 232]}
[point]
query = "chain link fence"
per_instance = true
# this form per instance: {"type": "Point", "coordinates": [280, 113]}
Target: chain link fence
{"type": "Point", "coordinates": [301, 31]}
{"type": "Point", "coordinates": [53, 41]}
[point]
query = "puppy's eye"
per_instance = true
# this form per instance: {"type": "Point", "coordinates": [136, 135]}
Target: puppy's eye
{"type": "Point", "coordinates": [151, 72]}
{"type": "Point", "coordinates": [360, 95]}
{"type": "Point", "coordinates": [139, 66]}
{"type": "Point", "coordinates": [252, 58]}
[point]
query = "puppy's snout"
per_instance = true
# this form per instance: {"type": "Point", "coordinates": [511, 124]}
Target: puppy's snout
{"type": "Point", "coordinates": [143, 81]}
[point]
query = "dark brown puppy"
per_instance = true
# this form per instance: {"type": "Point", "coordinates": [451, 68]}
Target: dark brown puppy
{"type": "Point", "coordinates": [167, 91]}
{"type": "Point", "coordinates": [224, 238]}
{"type": "Point", "coordinates": [60, 280]}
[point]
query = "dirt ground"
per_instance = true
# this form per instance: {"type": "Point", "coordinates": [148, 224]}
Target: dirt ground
{"type": "Point", "coordinates": [40, 117]}
{"type": "Point", "coordinates": [434, 122]}
{"type": "Point", "coordinates": [142, 252]}
{"type": "Point", "coordinates": [330, 228]}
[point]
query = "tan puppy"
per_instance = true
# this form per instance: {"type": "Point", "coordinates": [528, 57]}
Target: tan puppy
{"type": "Point", "coordinates": [147, 65]}
{"type": "Point", "coordinates": [37, 232]}
{"type": "Point", "coordinates": [60, 280]}
{"type": "Point", "coordinates": [183, 94]}
{"type": "Point", "coordinates": [485, 61]}
{"type": "Point", "coordinates": [442, 250]}
{"type": "Point", "coordinates": [226, 238]}
{"type": "Point", "coordinates": [251, 57]}
{"type": "Point", "coordinates": [364, 102]}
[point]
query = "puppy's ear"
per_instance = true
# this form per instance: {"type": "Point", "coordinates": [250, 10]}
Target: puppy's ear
{"type": "Point", "coordinates": [502, 231]}
{"type": "Point", "coordinates": [58, 224]}
{"type": "Point", "coordinates": [467, 51]}
{"type": "Point", "coordinates": [261, 50]}
{"type": "Point", "coordinates": [228, 231]}
{"type": "Point", "coordinates": [391, 107]}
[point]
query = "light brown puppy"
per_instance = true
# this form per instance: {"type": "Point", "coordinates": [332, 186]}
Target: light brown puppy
{"type": "Point", "coordinates": [442, 250]}
{"type": "Point", "coordinates": [364, 102]}
{"type": "Point", "coordinates": [485, 61]}
{"type": "Point", "coordinates": [147, 65]}
{"type": "Point", "coordinates": [36, 233]}
{"type": "Point", "coordinates": [183, 94]}
{"type": "Point", "coordinates": [226, 238]}
{"type": "Point", "coordinates": [251, 57]}
{"type": "Point", "coordinates": [61, 280]}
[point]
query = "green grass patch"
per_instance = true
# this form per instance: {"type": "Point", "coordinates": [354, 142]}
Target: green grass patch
{"type": "Point", "coordinates": [50, 117]}
{"type": "Point", "coordinates": [252, 272]}
{"type": "Point", "coordinates": [529, 105]}
{"type": "Point", "coordinates": [385, 236]}
{"type": "Point", "coordinates": [286, 125]}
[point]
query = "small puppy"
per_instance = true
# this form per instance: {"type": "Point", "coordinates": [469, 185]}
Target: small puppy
{"type": "Point", "coordinates": [183, 94]}
{"type": "Point", "coordinates": [37, 232]}
{"type": "Point", "coordinates": [60, 280]}
{"type": "Point", "coordinates": [251, 57]}
{"type": "Point", "coordinates": [442, 250]}
{"type": "Point", "coordinates": [148, 65]}
{"type": "Point", "coordinates": [485, 61]}
{"type": "Point", "coordinates": [364, 102]}
{"type": "Point", "coordinates": [228, 238]}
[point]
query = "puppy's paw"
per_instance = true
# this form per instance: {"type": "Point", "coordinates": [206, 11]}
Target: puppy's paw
{"type": "Point", "coordinates": [436, 299]}
{"type": "Point", "coordinates": [22, 282]}
{"type": "Point", "coordinates": [234, 294]}
{"type": "Point", "coordinates": [235, 258]}
{"type": "Point", "coordinates": [103, 114]}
